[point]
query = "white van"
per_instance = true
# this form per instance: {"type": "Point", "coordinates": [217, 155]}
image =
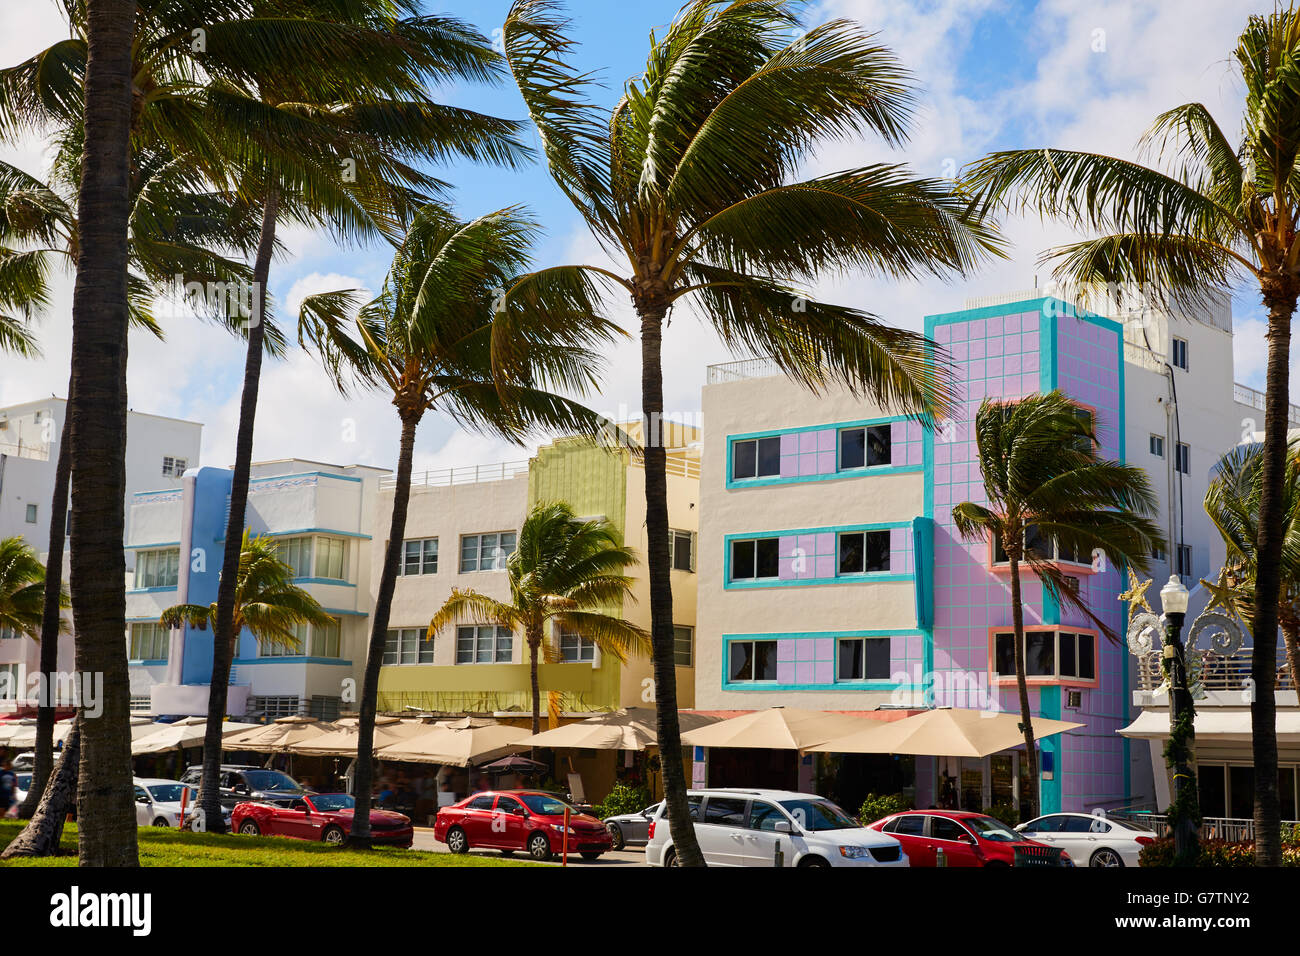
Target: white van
{"type": "Point", "coordinates": [739, 827]}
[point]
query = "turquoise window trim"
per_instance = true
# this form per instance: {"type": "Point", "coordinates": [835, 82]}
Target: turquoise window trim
{"type": "Point", "coordinates": [324, 531]}
{"type": "Point", "coordinates": [923, 562]}
{"type": "Point", "coordinates": [305, 474]}
{"type": "Point", "coordinates": [335, 582]}
{"type": "Point", "coordinates": [148, 663]}
{"type": "Point", "coordinates": [156, 491]}
{"type": "Point", "coordinates": [293, 659]}
{"type": "Point", "coordinates": [856, 685]}
{"type": "Point", "coordinates": [339, 611]}
{"type": "Point", "coordinates": [150, 547]}
{"type": "Point", "coordinates": [172, 587]}
{"type": "Point", "coordinates": [869, 577]}
{"type": "Point", "coordinates": [864, 472]}
{"type": "Point", "coordinates": [1049, 706]}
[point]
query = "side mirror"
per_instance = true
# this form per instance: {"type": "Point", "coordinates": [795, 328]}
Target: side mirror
{"type": "Point", "coordinates": [142, 798]}
{"type": "Point", "coordinates": [782, 826]}
{"type": "Point", "coordinates": [520, 812]}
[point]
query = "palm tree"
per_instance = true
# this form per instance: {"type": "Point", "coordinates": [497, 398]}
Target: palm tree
{"type": "Point", "coordinates": [22, 587]}
{"type": "Point", "coordinates": [1233, 504]}
{"type": "Point", "coordinates": [1227, 213]}
{"type": "Point", "coordinates": [427, 340]}
{"type": "Point", "coordinates": [267, 602]}
{"type": "Point", "coordinates": [97, 408]}
{"type": "Point", "coordinates": [1044, 482]}
{"type": "Point", "coordinates": [690, 182]}
{"type": "Point", "coordinates": [564, 574]}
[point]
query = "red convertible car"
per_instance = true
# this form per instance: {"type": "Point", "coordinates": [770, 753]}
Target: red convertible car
{"type": "Point", "coordinates": [509, 820]}
{"type": "Point", "coordinates": [320, 816]}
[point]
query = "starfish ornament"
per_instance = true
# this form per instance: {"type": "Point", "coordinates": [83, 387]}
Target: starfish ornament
{"type": "Point", "coordinates": [1222, 594]}
{"type": "Point", "coordinates": [1136, 593]}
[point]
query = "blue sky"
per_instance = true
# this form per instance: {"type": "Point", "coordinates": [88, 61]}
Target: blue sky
{"type": "Point", "coordinates": [993, 74]}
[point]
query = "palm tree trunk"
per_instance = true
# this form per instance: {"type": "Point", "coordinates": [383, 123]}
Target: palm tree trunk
{"type": "Point", "coordinates": [43, 832]}
{"type": "Point", "coordinates": [668, 726]}
{"type": "Point", "coordinates": [361, 787]}
{"type": "Point", "coordinates": [51, 618]}
{"type": "Point", "coordinates": [223, 640]}
{"type": "Point", "coordinates": [1280, 298]}
{"type": "Point", "coordinates": [97, 406]}
{"type": "Point", "coordinates": [1028, 809]}
{"type": "Point", "coordinates": [535, 642]}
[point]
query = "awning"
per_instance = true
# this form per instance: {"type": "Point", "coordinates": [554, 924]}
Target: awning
{"type": "Point", "coordinates": [945, 732]}
{"type": "Point", "coordinates": [278, 736]}
{"type": "Point", "coordinates": [181, 735]}
{"type": "Point", "coordinates": [1217, 723]}
{"type": "Point", "coordinates": [777, 728]}
{"type": "Point", "coordinates": [457, 746]}
{"type": "Point", "coordinates": [631, 728]}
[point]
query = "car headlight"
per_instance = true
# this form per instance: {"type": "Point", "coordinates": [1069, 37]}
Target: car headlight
{"type": "Point", "coordinates": [560, 828]}
{"type": "Point", "coordinates": [855, 852]}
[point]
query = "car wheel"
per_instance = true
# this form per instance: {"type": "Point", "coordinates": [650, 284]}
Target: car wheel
{"type": "Point", "coordinates": [161, 822]}
{"type": "Point", "coordinates": [249, 828]}
{"type": "Point", "coordinates": [457, 841]}
{"type": "Point", "coordinates": [334, 836]}
{"type": "Point", "coordinates": [539, 848]}
{"type": "Point", "coordinates": [1106, 857]}
{"type": "Point", "coordinates": [670, 857]}
{"type": "Point", "coordinates": [616, 834]}
{"type": "Point", "coordinates": [810, 861]}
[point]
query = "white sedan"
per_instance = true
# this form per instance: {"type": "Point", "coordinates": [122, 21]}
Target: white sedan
{"type": "Point", "coordinates": [158, 802]}
{"type": "Point", "coordinates": [1091, 839]}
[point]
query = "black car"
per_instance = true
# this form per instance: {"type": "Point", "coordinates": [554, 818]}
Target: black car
{"type": "Point", "coordinates": [240, 784]}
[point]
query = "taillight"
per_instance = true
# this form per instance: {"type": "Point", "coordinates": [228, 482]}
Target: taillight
{"type": "Point", "coordinates": [651, 834]}
{"type": "Point", "coordinates": [1144, 841]}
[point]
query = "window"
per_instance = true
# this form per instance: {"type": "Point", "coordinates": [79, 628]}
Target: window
{"type": "Point", "coordinates": [1184, 568]}
{"type": "Point", "coordinates": [481, 803]}
{"type": "Point", "coordinates": [419, 556]}
{"type": "Point", "coordinates": [756, 457]}
{"type": "Point", "coordinates": [756, 558]}
{"type": "Point", "coordinates": [1068, 655]}
{"type": "Point", "coordinates": [753, 661]}
{"type": "Point", "coordinates": [683, 645]}
{"type": "Point", "coordinates": [1083, 443]}
{"type": "Point", "coordinates": [296, 552]}
{"type": "Point", "coordinates": [725, 811]}
{"type": "Point", "coordinates": [326, 640]}
{"type": "Point", "coordinates": [407, 646]}
{"type": "Point", "coordinates": [1050, 549]}
{"type": "Point", "coordinates": [174, 467]}
{"type": "Point", "coordinates": [9, 681]}
{"type": "Point", "coordinates": [332, 558]}
{"type": "Point", "coordinates": [141, 703]}
{"type": "Point", "coordinates": [8, 634]}
{"type": "Point", "coordinates": [575, 649]}
{"type": "Point", "coordinates": [1157, 552]}
{"type": "Point", "coordinates": [1183, 458]}
{"type": "Point", "coordinates": [865, 447]}
{"type": "Point", "coordinates": [1178, 352]}
{"type": "Point", "coordinates": [681, 549]}
{"type": "Point", "coordinates": [864, 551]}
{"type": "Point", "coordinates": [910, 825]}
{"type": "Point", "coordinates": [280, 649]}
{"type": "Point", "coordinates": [765, 816]}
{"type": "Point", "coordinates": [324, 708]}
{"type": "Point", "coordinates": [282, 706]}
{"type": "Point", "coordinates": [486, 552]}
{"type": "Point", "coordinates": [157, 569]}
{"type": "Point", "coordinates": [864, 658]}
{"type": "Point", "coordinates": [942, 828]}
{"type": "Point", "coordinates": [31, 514]}
{"type": "Point", "coordinates": [149, 642]}
{"type": "Point", "coordinates": [1157, 445]}
{"type": "Point", "coordinates": [484, 644]}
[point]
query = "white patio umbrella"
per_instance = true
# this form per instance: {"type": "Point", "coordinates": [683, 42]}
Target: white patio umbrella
{"type": "Point", "coordinates": [777, 728]}
{"type": "Point", "coordinates": [457, 746]}
{"type": "Point", "coordinates": [944, 732]}
{"type": "Point", "coordinates": [184, 733]}
{"type": "Point", "coordinates": [632, 728]}
{"type": "Point", "coordinates": [342, 741]}
{"type": "Point", "coordinates": [278, 736]}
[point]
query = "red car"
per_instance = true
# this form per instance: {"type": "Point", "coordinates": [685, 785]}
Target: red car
{"type": "Point", "coordinates": [510, 820]}
{"type": "Point", "coordinates": [966, 838]}
{"type": "Point", "coordinates": [320, 816]}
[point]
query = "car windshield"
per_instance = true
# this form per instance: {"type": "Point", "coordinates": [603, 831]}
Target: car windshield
{"type": "Point", "coordinates": [549, 806]}
{"type": "Point", "coordinates": [168, 792]}
{"type": "Point", "coordinates": [986, 828]}
{"type": "Point", "coordinates": [269, 780]}
{"type": "Point", "coordinates": [819, 815]}
{"type": "Point", "coordinates": [327, 802]}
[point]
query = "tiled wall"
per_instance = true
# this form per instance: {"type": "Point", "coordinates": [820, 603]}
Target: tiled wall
{"type": "Point", "coordinates": [811, 454]}
{"type": "Point", "coordinates": [809, 556]}
{"type": "Point", "coordinates": [808, 660]}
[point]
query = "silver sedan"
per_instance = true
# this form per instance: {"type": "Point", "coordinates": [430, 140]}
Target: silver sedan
{"type": "Point", "coordinates": [631, 829]}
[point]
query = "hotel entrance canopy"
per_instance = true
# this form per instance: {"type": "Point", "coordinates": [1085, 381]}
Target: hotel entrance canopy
{"type": "Point", "coordinates": [1225, 724]}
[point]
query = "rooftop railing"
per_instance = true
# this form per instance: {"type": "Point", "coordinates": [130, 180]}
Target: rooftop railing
{"type": "Point", "coordinates": [1245, 395]}
{"type": "Point", "coordinates": [741, 370]}
{"type": "Point", "coordinates": [463, 475]}
{"type": "Point", "coordinates": [1220, 673]}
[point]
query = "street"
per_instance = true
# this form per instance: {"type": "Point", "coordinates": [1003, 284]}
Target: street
{"type": "Point", "coordinates": [632, 856]}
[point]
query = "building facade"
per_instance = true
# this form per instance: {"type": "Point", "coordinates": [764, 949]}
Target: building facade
{"type": "Point", "coordinates": [828, 523]}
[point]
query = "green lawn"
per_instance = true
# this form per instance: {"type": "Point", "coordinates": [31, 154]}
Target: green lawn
{"type": "Point", "coordinates": [165, 847]}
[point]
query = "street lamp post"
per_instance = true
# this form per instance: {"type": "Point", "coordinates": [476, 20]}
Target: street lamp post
{"type": "Point", "coordinates": [1184, 811]}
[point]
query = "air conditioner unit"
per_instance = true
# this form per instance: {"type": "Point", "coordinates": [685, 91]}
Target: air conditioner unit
{"type": "Point", "coordinates": [1074, 699]}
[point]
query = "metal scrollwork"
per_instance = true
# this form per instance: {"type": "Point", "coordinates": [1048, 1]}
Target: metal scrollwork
{"type": "Point", "coordinates": [1225, 635]}
{"type": "Point", "coordinates": [1143, 631]}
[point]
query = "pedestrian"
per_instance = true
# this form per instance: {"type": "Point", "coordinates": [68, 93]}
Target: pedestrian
{"type": "Point", "coordinates": [8, 782]}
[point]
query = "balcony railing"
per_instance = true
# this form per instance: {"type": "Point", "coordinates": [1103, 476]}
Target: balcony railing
{"type": "Point", "coordinates": [1232, 829]}
{"type": "Point", "coordinates": [739, 371]}
{"type": "Point", "coordinates": [1220, 673]}
{"type": "Point", "coordinates": [464, 475]}
{"type": "Point", "coordinates": [1245, 395]}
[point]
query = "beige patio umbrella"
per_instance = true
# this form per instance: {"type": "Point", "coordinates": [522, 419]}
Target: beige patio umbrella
{"type": "Point", "coordinates": [279, 735]}
{"type": "Point", "coordinates": [342, 741]}
{"type": "Point", "coordinates": [944, 732]}
{"type": "Point", "coordinates": [18, 733]}
{"type": "Point", "coordinates": [181, 735]}
{"type": "Point", "coordinates": [632, 728]}
{"type": "Point", "coordinates": [457, 746]}
{"type": "Point", "coordinates": [777, 728]}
